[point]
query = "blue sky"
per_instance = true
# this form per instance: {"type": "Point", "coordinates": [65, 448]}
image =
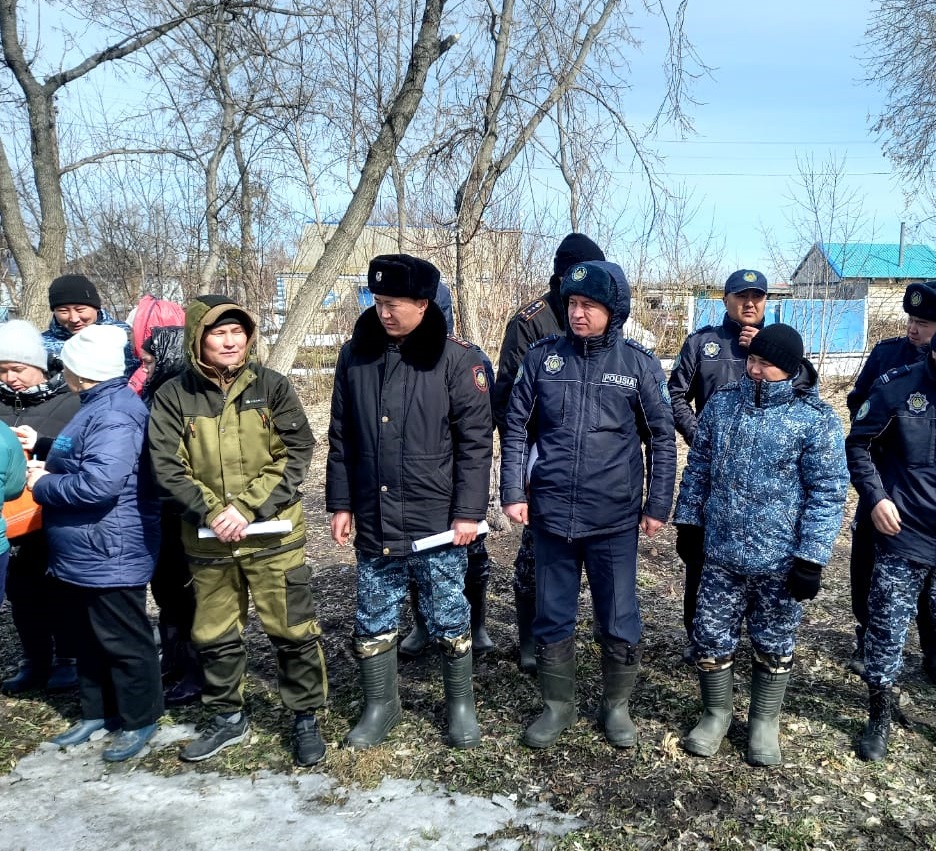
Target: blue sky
{"type": "Point", "coordinates": [786, 83]}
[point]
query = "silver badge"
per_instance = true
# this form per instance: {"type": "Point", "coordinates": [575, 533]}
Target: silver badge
{"type": "Point", "coordinates": [711, 350]}
{"type": "Point", "coordinates": [917, 403]}
{"type": "Point", "coordinates": [553, 363]}
{"type": "Point", "coordinates": [378, 276]}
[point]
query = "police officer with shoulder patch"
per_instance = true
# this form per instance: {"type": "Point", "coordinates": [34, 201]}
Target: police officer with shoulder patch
{"type": "Point", "coordinates": [542, 317]}
{"type": "Point", "coordinates": [592, 399]}
{"type": "Point", "coordinates": [711, 357]}
{"type": "Point", "coordinates": [892, 463]}
{"type": "Point", "coordinates": [919, 303]}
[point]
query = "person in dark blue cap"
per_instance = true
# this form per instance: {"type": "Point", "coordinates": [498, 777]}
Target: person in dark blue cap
{"type": "Point", "coordinates": [711, 357]}
{"type": "Point", "coordinates": [595, 403]}
{"type": "Point", "coordinates": [919, 303]}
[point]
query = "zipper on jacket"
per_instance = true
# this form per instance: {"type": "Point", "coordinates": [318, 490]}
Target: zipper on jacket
{"type": "Point", "coordinates": [757, 393]}
{"type": "Point", "coordinates": [191, 427]}
{"type": "Point", "coordinates": [578, 438]}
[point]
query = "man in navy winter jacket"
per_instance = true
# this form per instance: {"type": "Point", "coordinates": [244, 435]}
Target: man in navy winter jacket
{"type": "Point", "coordinates": [583, 406]}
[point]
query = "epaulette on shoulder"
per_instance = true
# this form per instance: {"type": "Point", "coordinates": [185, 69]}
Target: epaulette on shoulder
{"type": "Point", "coordinates": [705, 329]}
{"type": "Point", "coordinates": [896, 372]}
{"type": "Point", "coordinates": [463, 343]}
{"type": "Point", "coordinates": [891, 341]}
{"type": "Point", "coordinates": [526, 313]}
{"type": "Point", "coordinates": [543, 340]}
{"type": "Point", "coordinates": [640, 347]}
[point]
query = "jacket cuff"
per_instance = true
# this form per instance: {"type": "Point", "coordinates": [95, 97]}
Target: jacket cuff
{"type": "Point", "coordinates": [509, 496]}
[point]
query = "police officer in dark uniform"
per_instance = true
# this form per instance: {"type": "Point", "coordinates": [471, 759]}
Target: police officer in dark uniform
{"type": "Point", "coordinates": [919, 303]}
{"type": "Point", "coordinates": [893, 468]}
{"type": "Point", "coordinates": [710, 358]}
{"type": "Point", "coordinates": [542, 317]}
{"type": "Point", "coordinates": [592, 399]}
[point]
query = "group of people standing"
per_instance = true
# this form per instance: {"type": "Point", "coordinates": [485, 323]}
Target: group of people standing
{"type": "Point", "coordinates": [212, 453]}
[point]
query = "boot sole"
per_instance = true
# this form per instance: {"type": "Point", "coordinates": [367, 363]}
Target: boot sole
{"type": "Point", "coordinates": [698, 748]}
{"type": "Point", "coordinates": [364, 745]}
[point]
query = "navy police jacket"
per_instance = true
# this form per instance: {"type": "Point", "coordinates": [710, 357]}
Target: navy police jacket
{"type": "Point", "coordinates": [885, 356]}
{"type": "Point", "coordinates": [710, 358]}
{"type": "Point", "coordinates": [588, 407]}
{"type": "Point", "coordinates": [891, 452]}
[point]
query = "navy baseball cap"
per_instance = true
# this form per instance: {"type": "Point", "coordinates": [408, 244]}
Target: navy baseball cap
{"type": "Point", "coordinates": [745, 279]}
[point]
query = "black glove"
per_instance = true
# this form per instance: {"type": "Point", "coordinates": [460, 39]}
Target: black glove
{"type": "Point", "coordinates": [690, 543]}
{"type": "Point", "coordinates": [803, 579]}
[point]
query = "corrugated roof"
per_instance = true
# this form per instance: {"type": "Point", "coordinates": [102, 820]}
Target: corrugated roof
{"type": "Point", "coordinates": [879, 260]}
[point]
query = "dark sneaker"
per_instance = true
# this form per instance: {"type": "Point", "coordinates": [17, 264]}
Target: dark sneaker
{"type": "Point", "coordinates": [220, 733]}
{"type": "Point", "coordinates": [308, 747]}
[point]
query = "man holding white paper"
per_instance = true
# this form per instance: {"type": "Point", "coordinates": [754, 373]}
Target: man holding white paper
{"type": "Point", "coordinates": [410, 445]}
{"type": "Point", "coordinates": [231, 446]}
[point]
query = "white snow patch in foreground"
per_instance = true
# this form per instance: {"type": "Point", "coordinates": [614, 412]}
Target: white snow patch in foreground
{"type": "Point", "coordinates": [70, 800]}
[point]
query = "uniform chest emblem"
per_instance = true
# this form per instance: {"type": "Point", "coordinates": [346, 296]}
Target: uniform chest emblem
{"type": "Point", "coordinates": [917, 403]}
{"type": "Point", "coordinates": [711, 350]}
{"type": "Point", "coordinates": [553, 364]}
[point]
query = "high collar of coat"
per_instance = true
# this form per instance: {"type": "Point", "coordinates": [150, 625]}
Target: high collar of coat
{"type": "Point", "coordinates": [421, 349]}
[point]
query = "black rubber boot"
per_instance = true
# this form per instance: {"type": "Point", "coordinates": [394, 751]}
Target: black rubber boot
{"type": "Point", "coordinates": [619, 664]}
{"type": "Point", "coordinates": [382, 710]}
{"type": "Point", "coordinates": [872, 746]}
{"type": "Point", "coordinates": [767, 691]}
{"type": "Point", "coordinates": [555, 667]}
{"type": "Point", "coordinates": [27, 678]}
{"type": "Point", "coordinates": [463, 730]}
{"type": "Point", "coordinates": [526, 611]}
{"type": "Point", "coordinates": [717, 699]}
{"type": "Point", "coordinates": [476, 595]}
{"type": "Point", "coordinates": [418, 639]}
{"type": "Point", "coordinates": [189, 687]}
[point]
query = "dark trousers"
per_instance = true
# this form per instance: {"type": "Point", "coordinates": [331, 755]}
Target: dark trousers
{"type": "Point", "coordinates": [43, 608]}
{"type": "Point", "coordinates": [171, 584]}
{"type": "Point", "coordinates": [610, 563]}
{"type": "Point", "coordinates": [861, 568]}
{"type": "Point", "coordinates": [118, 665]}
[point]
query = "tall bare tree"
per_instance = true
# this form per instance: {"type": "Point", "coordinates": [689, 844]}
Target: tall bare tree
{"type": "Point", "coordinates": [426, 50]}
{"type": "Point", "coordinates": [37, 241]}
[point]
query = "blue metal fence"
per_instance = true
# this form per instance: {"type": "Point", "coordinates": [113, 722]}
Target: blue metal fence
{"type": "Point", "coordinates": [831, 326]}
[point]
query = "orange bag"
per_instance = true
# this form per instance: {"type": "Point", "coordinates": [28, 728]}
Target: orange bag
{"type": "Point", "coordinates": [23, 514]}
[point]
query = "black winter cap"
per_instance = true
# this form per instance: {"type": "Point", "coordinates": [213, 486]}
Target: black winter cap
{"type": "Point", "coordinates": [402, 275]}
{"type": "Point", "coordinates": [591, 281]}
{"type": "Point", "coordinates": [920, 301]}
{"type": "Point", "coordinates": [575, 248]}
{"type": "Point", "coordinates": [73, 289]}
{"type": "Point", "coordinates": [780, 345]}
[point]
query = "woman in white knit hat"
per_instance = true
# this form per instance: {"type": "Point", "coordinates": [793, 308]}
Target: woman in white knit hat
{"type": "Point", "coordinates": [36, 403]}
{"type": "Point", "coordinates": [102, 520]}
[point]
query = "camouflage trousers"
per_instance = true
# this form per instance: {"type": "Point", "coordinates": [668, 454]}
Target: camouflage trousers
{"type": "Point", "coordinates": [524, 581]}
{"type": "Point", "coordinates": [727, 598]}
{"type": "Point", "coordinates": [895, 586]}
{"type": "Point", "coordinates": [383, 583]}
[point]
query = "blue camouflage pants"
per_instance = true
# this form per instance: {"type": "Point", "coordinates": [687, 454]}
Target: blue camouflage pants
{"type": "Point", "coordinates": [895, 586]}
{"type": "Point", "coordinates": [726, 598]}
{"type": "Point", "coordinates": [383, 583]}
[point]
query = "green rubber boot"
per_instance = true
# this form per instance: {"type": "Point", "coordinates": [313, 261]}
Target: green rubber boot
{"type": "Point", "coordinates": [463, 730]}
{"type": "Point", "coordinates": [767, 691]}
{"type": "Point", "coordinates": [382, 710]}
{"type": "Point", "coordinates": [717, 699]}
{"type": "Point", "coordinates": [555, 667]}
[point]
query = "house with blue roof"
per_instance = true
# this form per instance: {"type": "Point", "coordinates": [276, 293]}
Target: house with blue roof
{"type": "Point", "coordinates": [876, 271]}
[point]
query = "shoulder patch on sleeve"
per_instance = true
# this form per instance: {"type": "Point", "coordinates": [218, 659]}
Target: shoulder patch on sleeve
{"type": "Point", "coordinates": [480, 378]}
{"type": "Point", "coordinates": [526, 313]}
{"type": "Point", "coordinates": [896, 372]}
{"type": "Point", "coordinates": [463, 343]}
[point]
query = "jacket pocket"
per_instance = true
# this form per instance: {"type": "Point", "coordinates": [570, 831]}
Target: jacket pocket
{"type": "Point", "coordinates": [918, 434]}
{"type": "Point", "coordinates": [300, 605]}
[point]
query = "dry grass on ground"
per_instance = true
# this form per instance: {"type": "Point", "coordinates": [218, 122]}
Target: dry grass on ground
{"type": "Point", "coordinates": [654, 796]}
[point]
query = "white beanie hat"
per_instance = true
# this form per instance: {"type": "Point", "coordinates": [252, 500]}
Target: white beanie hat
{"type": "Point", "coordinates": [96, 352]}
{"type": "Point", "coordinates": [21, 342]}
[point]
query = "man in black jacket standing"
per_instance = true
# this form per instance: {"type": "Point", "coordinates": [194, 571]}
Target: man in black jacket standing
{"type": "Point", "coordinates": [410, 445]}
{"type": "Point", "coordinates": [711, 357]}
{"type": "Point", "coordinates": [542, 317]}
{"type": "Point", "coordinates": [591, 399]}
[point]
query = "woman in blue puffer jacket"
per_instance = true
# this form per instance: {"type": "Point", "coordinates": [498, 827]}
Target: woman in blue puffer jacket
{"type": "Point", "coordinates": [765, 483]}
{"type": "Point", "coordinates": [101, 517]}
